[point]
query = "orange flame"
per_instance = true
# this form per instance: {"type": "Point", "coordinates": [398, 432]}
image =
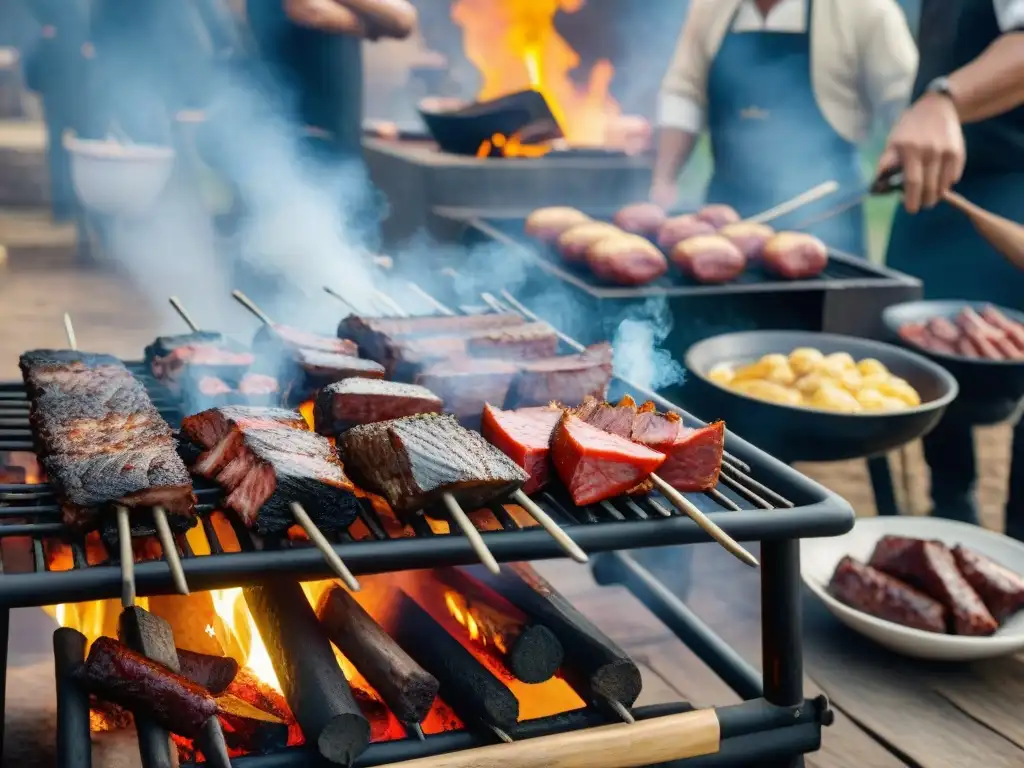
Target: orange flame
{"type": "Point", "coordinates": [514, 45]}
{"type": "Point", "coordinates": [512, 146]}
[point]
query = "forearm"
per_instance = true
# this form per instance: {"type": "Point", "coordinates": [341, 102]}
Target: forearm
{"type": "Point", "coordinates": [993, 83]}
{"type": "Point", "coordinates": [674, 149]}
{"type": "Point", "coordinates": [326, 16]}
{"type": "Point", "coordinates": [390, 18]}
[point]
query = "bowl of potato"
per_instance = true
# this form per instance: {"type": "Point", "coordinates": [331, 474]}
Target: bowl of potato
{"type": "Point", "coordinates": [806, 396]}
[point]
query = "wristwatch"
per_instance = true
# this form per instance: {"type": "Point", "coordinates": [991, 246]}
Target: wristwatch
{"type": "Point", "coordinates": [941, 86]}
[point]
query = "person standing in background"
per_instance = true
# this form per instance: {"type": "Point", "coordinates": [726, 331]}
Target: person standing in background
{"type": "Point", "coordinates": [966, 127]}
{"type": "Point", "coordinates": [786, 90]}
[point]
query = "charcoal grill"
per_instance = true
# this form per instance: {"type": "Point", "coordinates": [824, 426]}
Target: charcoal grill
{"type": "Point", "coordinates": [759, 498]}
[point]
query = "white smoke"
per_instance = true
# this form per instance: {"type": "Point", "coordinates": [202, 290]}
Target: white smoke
{"type": "Point", "coordinates": [639, 357]}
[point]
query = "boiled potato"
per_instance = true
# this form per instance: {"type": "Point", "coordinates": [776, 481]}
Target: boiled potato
{"type": "Point", "coordinates": [873, 380]}
{"type": "Point", "coordinates": [773, 368]}
{"type": "Point", "coordinates": [851, 380]}
{"type": "Point", "coordinates": [895, 404]}
{"type": "Point", "coordinates": [721, 374]}
{"type": "Point", "coordinates": [869, 366]}
{"type": "Point", "coordinates": [872, 400]}
{"type": "Point", "coordinates": [809, 384]}
{"type": "Point", "coordinates": [804, 359]}
{"type": "Point", "coordinates": [770, 391]}
{"type": "Point", "coordinates": [842, 359]}
{"type": "Point", "coordinates": [901, 390]}
{"type": "Point", "coordinates": [832, 397]}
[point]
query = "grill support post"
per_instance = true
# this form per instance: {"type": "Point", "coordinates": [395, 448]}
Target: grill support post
{"type": "Point", "coordinates": [781, 618]}
{"type": "Point", "coordinates": [5, 633]}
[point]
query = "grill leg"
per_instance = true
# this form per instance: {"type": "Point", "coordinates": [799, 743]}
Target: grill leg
{"type": "Point", "coordinates": [881, 484]}
{"type": "Point", "coordinates": [5, 631]}
{"type": "Point", "coordinates": [781, 649]}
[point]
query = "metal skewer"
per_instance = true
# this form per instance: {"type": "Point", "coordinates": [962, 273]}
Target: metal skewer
{"type": "Point", "coordinates": [180, 309]}
{"type": "Point", "coordinates": [621, 710]}
{"type": "Point", "coordinates": [416, 730]}
{"type": "Point", "coordinates": [170, 547]}
{"type": "Point", "coordinates": [499, 733]}
{"type": "Point", "coordinates": [321, 542]}
{"type": "Point", "coordinates": [471, 533]}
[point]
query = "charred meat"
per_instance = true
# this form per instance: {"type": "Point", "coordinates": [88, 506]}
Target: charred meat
{"type": "Point", "coordinates": [331, 366]}
{"type": "Point", "coordinates": [525, 437]}
{"type": "Point", "coordinates": [466, 386]}
{"type": "Point", "coordinates": [596, 465]}
{"type": "Point", "coordinates": [100, 438]}
{"type": "Point", "coordinates": [295, 338]}
{"type": "Point", "coordinates": [568, 379]}
{"type": "Point", "coordinates": [412, 462]}
{"type": "Point", "coordinates": [374, 335]}
{"type": "Point", "coordinates": [878, 594]}
{"type": "Point", "coordinates": [169, 358]}
{"type": "Point", "coordinates": [350, 402]}
{"type": "Point", "coordinates": [1001, 589]}
{"type": "Point", "coordinates": [263, 468]}
{"type": "Point", "coordinates": [208, 428]}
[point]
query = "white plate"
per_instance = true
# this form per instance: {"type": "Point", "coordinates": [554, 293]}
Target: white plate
{"type": "Point", "coordinates": [819, 557]}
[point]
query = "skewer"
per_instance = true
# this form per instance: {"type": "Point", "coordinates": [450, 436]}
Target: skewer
{"type": "Point", "coordinates": [430, 299]}
{"type": "Point", "coordinates": [163, 532]}
{"type": "Point", "coordinates": [333, 293]}
{"type": "Point", "coordinates": [622, 711]}
{"type": "Point", "coordinates": [805, 198]}
{"type": "Point", "coordinates": [69, 329]}
{"type": "Point", "coordinates": [472, 534]}
{"type": "Point", "coordinates": [544, 519]}
{"type": "Point", "coordinates": [416, 730]}
{"type": "Point", "coordinates": [390, 303]}
{"type": "Point", "coordinates": [321, 542]}
{"type": "Point", "coordinates": [249, 304]}
{"type": "Point", "coordinates": [180, 309]}
{"type": "Point", "coordinates": [499, 733]}
{"type": "Point", "coordinates": [124, 543]}
{"type": "Point", "coordinates": [685, 506]}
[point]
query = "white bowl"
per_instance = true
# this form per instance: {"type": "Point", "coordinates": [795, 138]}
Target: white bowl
{"type": "Point", "coordinates": [118, 179]}
{"type": "Point", "coordinates": [819, 557]}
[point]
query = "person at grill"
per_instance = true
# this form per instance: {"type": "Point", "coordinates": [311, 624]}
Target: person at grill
{"type": "Point", "coordinates": [965, 127]}
{"type": "Point", "coordinates": [786, 90]}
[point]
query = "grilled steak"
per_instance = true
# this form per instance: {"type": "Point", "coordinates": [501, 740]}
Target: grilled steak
{"type": "Point", "coordinates": [372, 334]}
{"type": "Point", "coordinates": [101, 439]}
{"type": "Point", "coordinates": [693, 461]}
{"type": "Point", "coordinates": [208, 428]}
{"type": "Point", "coordinates": [164, 345]}
{"type": "Point", "coordinates": [412, 462]}
{"type": "Point", "coordinates": [867, 589]}
{"type": "Point", "coordinates": [525, 437]}
{"type": "Point", "coordinates": [324, 366]}
{"type": "Point", "coordinates": [466, 386]}
{"type": "Point", "coordinates": [265, 461]}
{"type": "Point", "coordinates": [351, 402]}
{"type": "Point", "coordinates": [209, 353]}
{"type": "Point", "coordinates": [258, 384]}
{"type": "Point", "coordinates": [1001, 589]}
{"type": "Point", "coordinates": [615, 419]}
{"type": "Point", "coordinates": [596, 465]}
{"type": "Point", "coordinates": [294, 338]}
{"type": "Point", "coordinates": [565, 379]}
{"type": "Point", "coordinates": [654, 429]}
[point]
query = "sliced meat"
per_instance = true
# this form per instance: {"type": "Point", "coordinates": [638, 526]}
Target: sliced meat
{"type": "Point", "coordinates": [466, 386]}
{"type": "Point", "coordinates": [615, 419]}
{"type": "Point", "coordinates": [350, 402]}
{"type": "Point", "coordinates": [525, 437]}
{"type": "Point", "coordinates": [255, 384]}
{"type": "Point", "coordinates": [531, 341]}
{"type": "Point", "coordinates": [332, 366]}
{"type": "Point", "coordinates": [693, 461]}
{"type": "Point", "coordinates": [164, 345]}
{"type": "Point", "coordinates": [595, 465]}
{"type": "Point", "coordinates": [205, 357]}
{"type": "Point", "coordinates": [654, 429]}
{"type": "Point", "coordinates": [208, 428]}
{"type": "Point", "coordinates": [413, 462]}
{"type": "Point", "coordinates": [878, 594]}
{"type": "Point", "coordinates": [295, 338]}
{"type": "Point", "coordinates": [375, 335]}
{"type": "Point", "coordinates": [1001, 589]}
{"type": "Point", "coordinates": [931, 567]}
{"type": "Point", "coordinates": [567, 379]}
{"type": "Point", "coordinates": [264, 470]}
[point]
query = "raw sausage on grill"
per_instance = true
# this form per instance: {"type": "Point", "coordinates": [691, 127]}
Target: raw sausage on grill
{"type": "Point", "coordinates": [680, 228]}
{"type": "Point", "coordinates": [548, 223]}
{"type": "Point", "coordinates": [641, 218]}
{"type": "Point", "coordinates": [718, 215]}
{"type": "Point", "coordinates": [574, 242]}
{"type": "Point", "coordinates": [749, 237]}
{"type": "Point", "coordinates": [795, 255]}
{"type": "Point", "coordinates": [709, 259]}
{"type": "Point", "coordinates": [626, 260]}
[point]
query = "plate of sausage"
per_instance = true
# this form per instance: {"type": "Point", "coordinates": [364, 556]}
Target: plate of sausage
{"type": "Point", "coordinates": [923, 587]}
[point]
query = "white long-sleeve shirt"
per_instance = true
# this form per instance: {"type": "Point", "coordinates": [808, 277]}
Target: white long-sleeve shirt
{"type": "Point", "coordinates": [863, 58]}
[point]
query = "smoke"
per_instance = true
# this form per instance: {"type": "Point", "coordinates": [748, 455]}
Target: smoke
{"type": "Point", "coordinates": [639, 356]}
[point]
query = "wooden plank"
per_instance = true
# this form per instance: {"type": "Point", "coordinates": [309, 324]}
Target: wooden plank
{"type": "Point", "coordinates": [990, 692]}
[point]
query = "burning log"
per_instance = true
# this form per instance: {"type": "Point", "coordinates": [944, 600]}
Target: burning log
{"type": "Point", "coordinates": [530, 651]}
{"type": "Point", "coordinates": [189, 617]}
{"type": "Point", "coordinates": [597, 668]}
{"type": "Point", "coordinates": [214, 673]}
{"type": "Point", "coordinates": [405, 686]}
{"type": "Point", "coordinates": [465, 684]}
{"type": "Point", "coordinates": [313, 684]}
{"type": "Point", "coordinates": [74, 745]}
{"type": "Point", "coordinates": [247, 735]}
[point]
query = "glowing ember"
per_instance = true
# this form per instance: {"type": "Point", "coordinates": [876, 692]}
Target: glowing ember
{"type": "Point", "coordinates": [306, 409]}
{"type": "Point", "coordinates": [514, 45]}
{"type": "Point", "coordinates": [510, 147]}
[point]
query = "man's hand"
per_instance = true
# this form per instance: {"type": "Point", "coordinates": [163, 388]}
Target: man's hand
{"type": "Point", "coordinates": [664, 193]}
{"type": "Point", "coordinates": [928, 143]}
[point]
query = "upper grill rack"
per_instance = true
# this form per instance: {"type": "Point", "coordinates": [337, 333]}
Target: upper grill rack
{"type": "Point", "coordinates": [29, 514]}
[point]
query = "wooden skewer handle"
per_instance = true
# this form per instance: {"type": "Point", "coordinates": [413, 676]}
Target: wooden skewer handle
{"type": "Point", "coordinates": [249, 304]}
{"type": "Point", "coordinates": [649, 742]}
{"type": "Point", "coordinates": [183, 313]}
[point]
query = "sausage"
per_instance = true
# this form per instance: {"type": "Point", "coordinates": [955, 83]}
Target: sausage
{"type": "Point", "coordinates": [548, 223]}
{"type": "Point", "coordinates": [944, 329]}
{"type": "Point", "coordinates": [967, 348]}
{"type": "Point", "coordinates": [749, 237]}
{"type": "Point", "coordinates": [680, 228]}
{"type": "Point", "coordinates": [934, 344]}
{"type": "Point", "coordinates": [626, 260]}
{"type": "Point", "coordinates": [873, 592]}
{"type": "Point", "coordinates": [118, 674]}
{"type": "Point", "coordinates": [1007, 348]}
{"type": "Point", "coordinates": [574, 242]}
{"type": "Point", "coordinates": [1001, 589]}
{"type": "Point", "coordinates": [973, 324]}
{"type": "Point", "coordinates": [931, 567]}
{"type": "Point", "coordinates": [709, 259]}
{"type": "Point", "coordinates": [214, 673]}
{"type": "Point", "coordinates": [986, 350]}
{"type": "Point", "coordinates": [641, 218]}
{"type": "Point", "coordinates": [795, 255]}
{"type": "Point", "coordinates": [1014, 330]}
{"type": "Point", "coordinates": [718, 215]}
{"type": "Point", "coordinates": [919, 335]}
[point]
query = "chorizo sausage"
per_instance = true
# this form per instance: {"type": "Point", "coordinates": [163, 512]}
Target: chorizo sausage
{"type": "Point", "coordinates": [574, 242]}
{"type": "Point", "coordinates": [749, 237]}
{"type": "Point", "coordinates": [709, 259]}
{"type": "Point", "coordinates": [626, 260]}
{"type": "Point", "coordinates": [680, 228]}
{"type": "Point", "coordinates": [873, 592]}
{"type": "Point", "coordinates": [641, 218]}
{"type": "Point", "coordinates": [548, 223]}
{"type": "Point", "coordinates": [795, 255]}
{"type": "Point", "coordinates": [718, 215]}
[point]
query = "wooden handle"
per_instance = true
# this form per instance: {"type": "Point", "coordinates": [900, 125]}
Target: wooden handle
{"type": "Point", "coordinates": [249, 304]}
{"type": "Point", "coordinates": [1002, 234]}
{"type": "Point", "coordinates": [648, 742]}
{"type": "Point", "coordinates": [804, 198]}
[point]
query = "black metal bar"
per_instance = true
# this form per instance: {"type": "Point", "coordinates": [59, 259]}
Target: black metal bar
{"type": "Point", "coordinates": [404, 554]}
{"type": "Point", "coordinates": [74, 745]}
{"type": "Point", "coordinates": [781, 615]}
{"type": "Point", "coordinates": [5, 633]}
{"type": "Point", "coordinates": [621, 568]}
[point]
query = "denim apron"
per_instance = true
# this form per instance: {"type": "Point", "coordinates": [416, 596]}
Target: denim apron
{"type": "Point", "coordinates": [941, 247]}
{"type": "Point", "coordinates": [769, 138]}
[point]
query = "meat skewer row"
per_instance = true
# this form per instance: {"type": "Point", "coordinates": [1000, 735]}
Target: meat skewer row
{"type": "Point", "coordinates": [124, 534]}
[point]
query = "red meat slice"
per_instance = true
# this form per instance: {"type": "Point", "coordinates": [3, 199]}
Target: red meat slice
{"type": "Point", "coordinates": [615, 419]}
{"type": "Point", "coordinates": [1001, 589]}
{"type": "Point", "coordinates": [656, 430]}
{"type": "Point", "coordinates": [595, 465]}
{"type": "Point", "coordinates": [525, 437]}
{"type": "Point", "coordinates": [694, 460]}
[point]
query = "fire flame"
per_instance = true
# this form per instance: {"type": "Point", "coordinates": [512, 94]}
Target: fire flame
{"type": "Point", "coordinates": [512, 146]}
{"type": "Point", "coordinates": [514, 45]}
